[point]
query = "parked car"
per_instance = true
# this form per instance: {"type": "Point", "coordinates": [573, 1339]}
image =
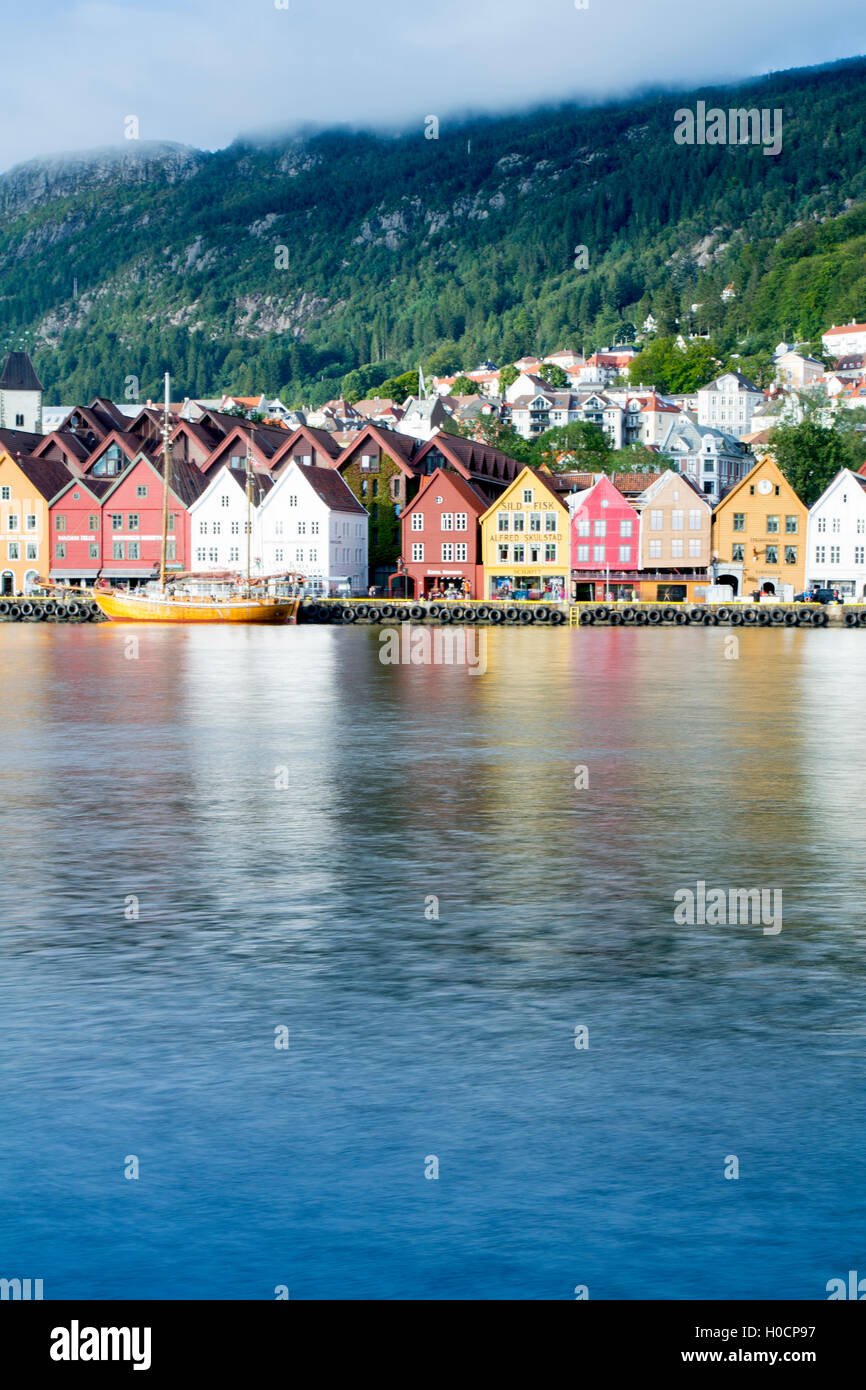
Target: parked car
{"type": "Point", "coordinates": [819, 596]}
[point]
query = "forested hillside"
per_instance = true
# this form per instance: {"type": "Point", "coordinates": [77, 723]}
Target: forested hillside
{"type": "Point", "coordinates": [282, 267]}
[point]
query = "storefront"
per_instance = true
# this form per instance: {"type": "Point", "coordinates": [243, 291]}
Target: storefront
{"type": "Point", "coordinates": [529, 584]}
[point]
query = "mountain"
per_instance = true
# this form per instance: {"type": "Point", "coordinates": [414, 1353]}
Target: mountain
{"type": "Point", "coordinates": [282, 265]}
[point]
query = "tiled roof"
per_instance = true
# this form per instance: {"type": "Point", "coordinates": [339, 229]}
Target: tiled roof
{"type": "Point", "coordinates": [17, 442]}
{"type": "Point", "coordinates": [48, 476]}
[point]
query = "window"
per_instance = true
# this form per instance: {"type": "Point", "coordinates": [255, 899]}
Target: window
{"type": "Point", "coordinates": [822, 523]}
{"type": "Point", "coordinates": [278, 554]}
{"type": "Point", "coordinates": [299, 555]}
{"type": "Point", "coordinates": [199, 555]}
{"type": "Point", "coordinates": [461, 521]}
{"type": "Point", "coordinates": [59, 523]}
{"type": "Point", "coordinates": [677, 519]}
{"type": "Point", "coordinates": [216, 528]}
{"type": "Point", "coordinates": [503, 524]}
{"type": "Point", "coordinates": [550, 552]}
{"type": "Point", "coordinates": [583, 553]}
{"type": "Point", "coordinates": [314, 528]}
{"type": "Point", "coordinates": [625, 528]}
{"type": "Point", "coordinates": [790, 555]}
{"type": "Point", "coordinates": [93, 549]}
{"type": "Point", "coordinates": [293, 501]}
{"type": "Point", "coordinates": [417, 521]}
{"type": "Point", "coordinates": [861, 526]}
{"type": "Point", "coordinates": [202, 528]}
{"type": "Point", "coordinates": [31, 549]}
{"type": "Point", "coordinates": [519, 554]}
{"type": "Point", "coordinates": [134, 551]}
{"type": "Point", "coordinates": [772, 525]}
{"type": "Point", "coordinates": [132, 524]}
{"type": "Point", "coordinates": [59, 550]}
{"type": "Point", "coordinates": [5, 494]}
{"type": "Point", "coordinates": [739, 521]}
{"type": "Point", "coordinates": [460, 552]}
{"type": "Point", "coordinates": [141, 490]}
{"type": "Point", "coordinates": [448, 551]}
{"type": "Point", "coordinates": [676, 550]}
{"type": "Point", "coordinates": [834, 554]}
{"type": "Point", "coordinates": [447, 521]}
{"type": "Point", "coordinates": [535, 521]}
{"type": "Point", "coordinates": [859, 554]}
{"type": "Point", "coordinates": [117, 552]}
{"type": "Point", "coordinates": [694, 550]}
{"type": "Point", "coordinates": [819, 554]}
{"type": "Point", "coordinates": [369, 463]}
{"type": "Point", "coordinates": [116, 521]}
{"type": "Point", "coordinates": [519, 521]}
{"type": "Point", "coordinates": [625, 553]}
{"type": "Point", "coordinates": [583, 526]}
{"type": "Point", "coordinates": [93, 523]}
{"type": "Point", "coordinates": [598, 553]}
{"type": "Point", "coordinates": [527, 496]}
{"type": "Point", "coordinates": [213, 555]}
{"type": "Point", "coordinates": [772, 555]}
{"type": "Point", "coordinates": [790, 525]}
{"type": "Point", "coordinates": [655, 550]}
{"type": "Point", "coordinates": [418, 550]}
{"type": "Point", "coordinates": [235, 555]}
{"type": "Point", "coordinates": [30, 522]}
{"type": "Point", "coordinates": [224, 499]}
{"type": "Point", "coordinates": [502, 554]}
{"type": "Point", "coordinates": [550, 521]}
{"type": "Point", "coordinates": [836, 525]}
{"type": "Point", "coordinates": [694, 521]}
{"type": "Point", "coordinates": [599, 528]}
{"type": "Point", "coordinates": [738, 552]}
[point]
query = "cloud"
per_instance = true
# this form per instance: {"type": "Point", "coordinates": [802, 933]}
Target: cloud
{"type": "Point", "coordinates": [203, 71]}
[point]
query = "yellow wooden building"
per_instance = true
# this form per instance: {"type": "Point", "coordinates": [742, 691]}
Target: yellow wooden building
{"type": "Point", "coordinates": [525, 541]}
{"type": "Point", "coordinates": [759, 535]}
{"type": "Point", "coordinates": [26, 488]}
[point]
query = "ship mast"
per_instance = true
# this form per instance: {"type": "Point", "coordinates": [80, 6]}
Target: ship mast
{"type": "Point", "coordinates": [166, 471]}
{"type": "Point", "coordinates": [249, 491]}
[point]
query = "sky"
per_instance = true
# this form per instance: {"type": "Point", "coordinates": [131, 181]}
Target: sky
{"type": "Point", "coordinates": [202, 72]}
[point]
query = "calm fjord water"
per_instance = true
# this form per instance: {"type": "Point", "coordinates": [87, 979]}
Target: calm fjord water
{"type": "Point", "coordinates": [410, 1037]}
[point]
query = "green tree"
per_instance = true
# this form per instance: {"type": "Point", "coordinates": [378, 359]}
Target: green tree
{"type": "Point", "coordinates": [580, 445]}
{"type": "Point", "coordinates": [553, 374]}
{"type": "Point", "coordinates": [507, 377]}
{"type": "Point", "coordinates": [465, 386]}
{"type": "Point", "coordinates": [810, 454]}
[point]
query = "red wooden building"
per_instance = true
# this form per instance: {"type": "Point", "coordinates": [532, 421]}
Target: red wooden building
{"type": "Point", "coordinates": [441, 537]}
{"type": "Point", "coordinates": [132, 519]}
{"type": "Point", "coordinates": [75, 525]}
{"type": "Point", "coordinates": [605, 536]}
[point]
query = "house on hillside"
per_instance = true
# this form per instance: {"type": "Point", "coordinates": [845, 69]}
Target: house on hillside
{"type": "Point", "coordinates": [728, 404]}
{"type": "Point", "coordinates": [714, 461]}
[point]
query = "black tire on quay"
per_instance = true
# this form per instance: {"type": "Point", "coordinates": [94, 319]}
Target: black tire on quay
{"type": "Point", "coordinates": [444, 615]}
{"type": "Point", "coordinates": [403, 614]}
{"type": "Point", "coordinates": [34, 617]}
{"type": "Point", "coordinates": [697, 615]}
{"type": "Point", "coordinates": [362, 609]}
{"type": "Point", "coordinates": [512, 614]}
{"type": "Point", "coordinates": [60, 611]}
{"type": "Point", "coordinates": [483, 612]}
{"type": "Point", "coordinates": [602, 613]}
{"type": "Point", "coordinates": [587, 618]}
{"type": "Point", "coordinates": [711, 620]}
{"type": "Point", "coordinates": [4, 608]}
{"type": "Point", "coordinates": [615, 619]}
{"type": "Point", "coordinates": [819, 618]}
{"type": "Point", "coordinates": [669, 615]}
{"type": "Point", "coordinates": [862, 619]}
{"type": "Point", "coordinates": [541, 615]}
{"type": "Point", "coordinates": [804, 617]}
{"type": "Point", "coordinates": [750, 616]}
{"type": "Point", "coordinates": [373, 615]}
{"type": "Point", "coordinates": [682, 619]}
{"type": "Point", "coordinates": [348, 615]}
{"type": "Point", "coordinates": [457, 612]}
{"type": "Point", "coordinates": [527, 617]}
{"type": "Point", "coordinates": [26, 608]}
{"type": "Point", "coordinates": [777, 615]}
{"type": "Point", "coordinates": [433, 610]}
{"type": "Point", "coordinates": [416, 611]}
{"type": "Point", "coordinates": [723, 615]}
{"type": "Point", "coordinates": [557, 618]}
{"type": "Point", "coordinates": [72, 610]}
{"type": "Point", "coordinates": [387, 610]}
{"type": "Point", "coordinates": [496, 615]}
{"type": "Point", "coordinates": [763, 618]}
{"type": "Point", "coordinates": [470, 614]}
{"type": "Point", "coordinates": [628, 615]}
{"type": "Point", "coordinates": [640, 618]}
{"type": "Point", "coordinates": [791, 618]}
{"type": "Point", "coordinates": [14, 611]}
{"type": "Point", "coordinates": [851, 620]}
{"type": "Point", "coordinates": [654, 616]}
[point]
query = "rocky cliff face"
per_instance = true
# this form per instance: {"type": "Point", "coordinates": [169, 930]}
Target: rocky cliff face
{"type": "Point", "coordinates": [41, 180]}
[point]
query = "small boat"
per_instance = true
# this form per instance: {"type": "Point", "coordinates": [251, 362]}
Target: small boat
{"type": "Point", "coordinates": [169, 601]}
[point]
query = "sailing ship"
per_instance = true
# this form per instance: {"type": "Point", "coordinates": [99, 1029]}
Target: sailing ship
{"type": "Point", "coordinates": [195, 598]}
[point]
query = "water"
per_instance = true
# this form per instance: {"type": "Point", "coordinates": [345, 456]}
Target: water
{"type": "Point", "coordinates": [304, 907]}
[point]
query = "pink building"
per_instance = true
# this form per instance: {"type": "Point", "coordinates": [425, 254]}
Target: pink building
{"type": "Point", "coordinates": [605, 536]}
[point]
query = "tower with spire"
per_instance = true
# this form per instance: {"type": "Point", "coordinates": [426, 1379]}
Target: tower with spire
{"type": "Point", "coordinates": [20, 394]}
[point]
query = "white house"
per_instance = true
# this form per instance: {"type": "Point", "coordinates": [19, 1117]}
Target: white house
{"type": "Point", "coordinates": [218, 523]}
{"type": "Point", "coordinates": [837, 342]}
{"type": "Point", "coordinates": [728, 403]}
{"type": "Point", "coordinates": [309, 523]}
{"type": "Point", "coordinates": [20, 395]}
{"type": "Point", "coordinates": [836, 536]}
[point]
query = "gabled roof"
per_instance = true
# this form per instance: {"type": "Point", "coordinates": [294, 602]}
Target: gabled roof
{"type": "Point", "coordinates": [18, 374]}
{"type": "Point", "coordinates": [71, 445]}
{"type": "Point", "coordinates": [402, 448]}
{"type": "Point", "coordinates": [96, 487]}
{"type": "Point", "coordinates": [762, 462]}
{"type": "Point", "coordinates": [742, 381]}
{"type": "Point", "coordinates": [330, 485]}
{"type": "Point", "coordinates": [846, 328]}
{"type": "Point", "coordinates": [544, 479]}
{"type": "Point", "coordinates": [129, 445]}
{"type": "Point", "coordinates": [321, 440]}
{"type": "Point", "coordinates": [48, 476]}
{"type": "Point", "coordinates": [471, 456]}
{"type": "Point", "coordinates": [17, 442]}
{"type": "Point", "coordinates": [661, 480]}
{"type": "Point", "coordinates": [475, 500]}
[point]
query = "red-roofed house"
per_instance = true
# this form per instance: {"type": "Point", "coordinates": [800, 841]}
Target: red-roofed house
{"type": "Point", "coordinates": [441, 536]}
{"type": "Point", "coordinates": [838, 342]}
